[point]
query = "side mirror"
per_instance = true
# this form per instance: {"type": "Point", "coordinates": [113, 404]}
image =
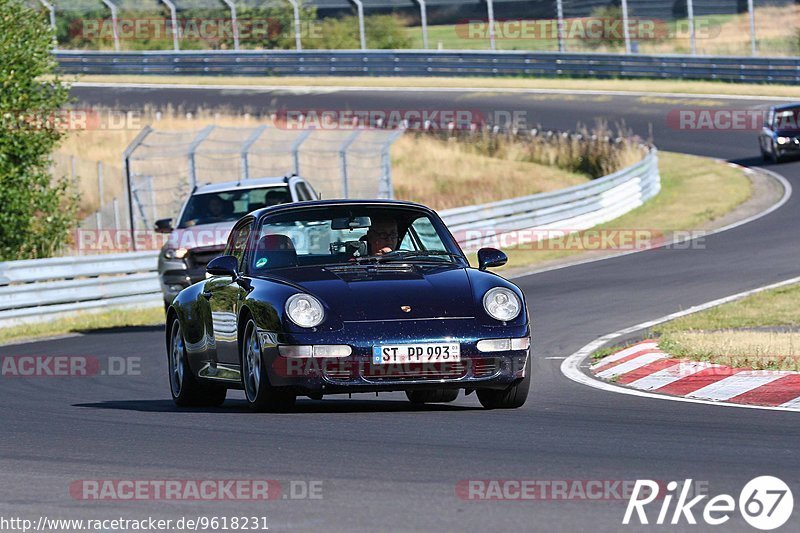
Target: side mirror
{"type": "Point", "coordinates": [164, 225]}
{"type": "Point", "coordinates": [489, 258]}
{"type": "Point", "coordinates": [224, 265]}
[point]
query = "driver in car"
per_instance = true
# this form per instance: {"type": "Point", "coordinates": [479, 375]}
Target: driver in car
{"type": "Point", "coordinates": [382, 236]}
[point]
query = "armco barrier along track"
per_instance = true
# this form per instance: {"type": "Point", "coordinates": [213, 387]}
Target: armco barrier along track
{"type": "Point", "coordinates": [427, 63]}
{"type": "Point", "coordinates": [43, 289]}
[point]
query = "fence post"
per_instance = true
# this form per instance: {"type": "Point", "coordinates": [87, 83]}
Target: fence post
{"type": "Point", "coordinates": [690, 16]}
{"type": "Point", "coordinates": [752, 13]}
{"type": "Point", "coordinates": [113, 9]}
{"type": "Point", "coordinates": [343, 156]}
{"type": "Point", "coordinates": [244, 154]}
{"type": "Point", "coordinates": [423, 15]}
{"type": "Point", "coordinates": [115, 205]}
{"type": "Point", "coordinates": [295, 148]}
{"type": "Point", "coordinates": [385, 189]}
{"type": "Point", "coordinates": [560, 27]}
{"type": "Point", "coordinates": [49, 7]}
{"type": "Point", "coordinates": [191, 153]}
{"type": "Point", "coordinates": [234, 22]}
{"type": "Point", "coordinates": [490, 13]}
{"type": "Point", "coordinates": [625, 30]}
{"type": "Point", "coordinates": [126, 165]}
{"type": "Point", "coordinates": [174, 14]}
{"type": "Point", "coordinates": [362, 36]}
{"type": "Point", "coordinates": [100, 192]}
{"type": "Point", "coordinates": [296, 10]}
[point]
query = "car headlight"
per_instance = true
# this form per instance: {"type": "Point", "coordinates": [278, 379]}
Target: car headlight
{"type": "Point", "coordinates": [175, 253]}
{"type": "Point", "coordinates": [502, 304]}
{"type": "Point", "coordinates": [305, 310]}
{"type": "Point", "coordinates": [784, 140]}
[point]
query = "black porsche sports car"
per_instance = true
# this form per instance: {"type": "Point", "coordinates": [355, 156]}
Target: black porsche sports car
{"type": "Point", "coordinates": [326, 297]}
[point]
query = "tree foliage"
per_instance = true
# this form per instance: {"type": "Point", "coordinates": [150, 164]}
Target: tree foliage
{"type": "Point", "coordinates": [36, 211]}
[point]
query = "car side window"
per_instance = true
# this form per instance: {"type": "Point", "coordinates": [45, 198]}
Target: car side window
{"type": "Point", "coordinates": [237, 242]}
{"type": "Point", "coordinates": [427, 235]}
{"type": "Point", "coordinates": [770, 118]}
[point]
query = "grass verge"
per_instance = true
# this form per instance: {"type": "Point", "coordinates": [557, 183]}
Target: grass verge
{"type": "Point", "coordinates": [694, 192]}
{"type": "Point", "coordinates": [757, 332]}
{"type": "Point", "coordinates": [79, 322]}
{"type": "Point", "coordinates": [559, 84]}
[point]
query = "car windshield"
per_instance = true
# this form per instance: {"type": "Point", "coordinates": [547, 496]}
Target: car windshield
{"type": "Point", "coordinates": [227, 206]}
{"type": "Point", "coordinates": [787, 119]}
{"type": "Point", "coordinates": [351, 236]}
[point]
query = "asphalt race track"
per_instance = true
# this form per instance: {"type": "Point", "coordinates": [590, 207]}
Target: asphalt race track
{"type": "Point", "coordinates": [385, 466]}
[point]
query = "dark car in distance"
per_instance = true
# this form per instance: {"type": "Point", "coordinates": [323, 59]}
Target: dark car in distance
{"type": "Point", "coordinates": [348, 296]}
{"type": "Point", "coordinates": [780, 135]}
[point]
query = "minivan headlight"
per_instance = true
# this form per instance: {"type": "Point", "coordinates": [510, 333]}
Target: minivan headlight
{"type": "Point", "coordinates": [502, 304]}
{"type": "Point", "coordinates": [305, 310]}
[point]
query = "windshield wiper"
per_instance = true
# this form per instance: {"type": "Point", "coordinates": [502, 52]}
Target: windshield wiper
{"type": "Point", "coordinates": [416, 254]}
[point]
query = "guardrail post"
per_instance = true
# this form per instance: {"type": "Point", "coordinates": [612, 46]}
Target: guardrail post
{"type": "Point", "coordinates": [423, 16]}
{"type": "Point", "coordinates": [490, 13]}
{"type": "Point", "coordinates": [752, 14]}
{"type": "Point", "coordinates": [295, 148]}
{"type": "Point", "coordinates": [560, 23]}
{"type": "Point", "coordinates": [690, 16]}
{"type": "Point", "coordinates": [48, 6]}
{"type": "Point", "coordinates": [361, 34]}
{"type": "Point", "coordinates": [245, 156]}
{"type": "Point", "coordinates": [113, 10]}
{"type": "Point", "coordinates": [343, 156]}
{"type": "Point", "coordinates": [205, 132]}
{"type": "Point", "coordinates": [296, 10]}
{"type": "Point", "coordinates": [234, 22]}
{"type": "Point", "coordinates": [175, 31]}
{"type": "Point", "coordinates": [126, 164]}
{"type": "Point", "coordinates": [625, 30]}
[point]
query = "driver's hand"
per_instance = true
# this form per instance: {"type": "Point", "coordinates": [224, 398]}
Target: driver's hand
{"type": "Point", "coordinates": [384, 250]}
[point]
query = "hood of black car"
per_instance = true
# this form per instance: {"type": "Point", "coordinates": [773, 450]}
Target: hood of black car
{"type": "Point", "coordinates": [388, 291]}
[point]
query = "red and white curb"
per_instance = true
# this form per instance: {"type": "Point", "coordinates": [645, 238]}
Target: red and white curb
{"type": "Point", "coordinates": [643, 366]}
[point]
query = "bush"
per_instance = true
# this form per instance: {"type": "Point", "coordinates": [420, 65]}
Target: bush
{"type": "Point", "coordinates": [382, 32]}
{"type": "Point", "coordinates": [36, 212]}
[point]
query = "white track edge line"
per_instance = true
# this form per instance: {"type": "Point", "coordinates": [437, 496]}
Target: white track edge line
{"type": "Point", "coordinates": [351, 88]}
{"type": "Point", "coordinates": [571, 367]}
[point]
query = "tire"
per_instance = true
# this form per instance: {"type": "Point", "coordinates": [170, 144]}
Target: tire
{"type": "Point", "coordinates": [511, 398]}
{"type": "Point", "coordinates": [260, 394]}
{"type": "Point", "coordinates": [764, 154]}
{"type": "Point", "coordinates": [186, 390]}
{"type": "Point", "coordinates": [419, 397]}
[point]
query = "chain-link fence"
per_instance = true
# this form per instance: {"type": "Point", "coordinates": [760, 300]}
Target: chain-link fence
{"type": "Point", "coordinates": [163, 167]}
{"type": "Point", "coordinates": [708, 27]}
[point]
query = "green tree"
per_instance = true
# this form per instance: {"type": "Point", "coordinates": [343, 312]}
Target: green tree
{"type": "Point", "coordinates": [37, 212]}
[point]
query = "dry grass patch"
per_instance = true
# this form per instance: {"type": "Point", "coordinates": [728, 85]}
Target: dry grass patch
{"type": "Point", "coordinates": [738, 333]}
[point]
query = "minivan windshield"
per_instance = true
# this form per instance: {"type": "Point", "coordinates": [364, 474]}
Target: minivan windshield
{"type": "Point", "coordinates": [228, 206]}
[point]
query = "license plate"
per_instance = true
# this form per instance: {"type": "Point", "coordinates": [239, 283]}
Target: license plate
{"type": "Point", "coordinates": [416, 353]}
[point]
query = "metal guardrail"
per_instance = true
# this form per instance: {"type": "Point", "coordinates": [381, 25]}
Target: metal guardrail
{"type": "Point", "coordinates": [42, 289]}
{"type": "Point", "coordinates": [432, 63]}
{"type": "Point", "coordinates": [37, 290]}
{"type": "Point", "coordinates": [568, 210]}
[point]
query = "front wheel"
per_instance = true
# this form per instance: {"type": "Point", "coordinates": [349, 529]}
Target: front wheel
{"type": "Point", "coordinates": [186, 390]}
{"type": "Point", "coordinates": [261, 395]}
{"type": "Point", "coordinates": [510, 398]}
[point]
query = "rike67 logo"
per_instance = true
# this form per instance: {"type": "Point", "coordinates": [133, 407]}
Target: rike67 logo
{"type": "Point", "coordinates": [765, 503]}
